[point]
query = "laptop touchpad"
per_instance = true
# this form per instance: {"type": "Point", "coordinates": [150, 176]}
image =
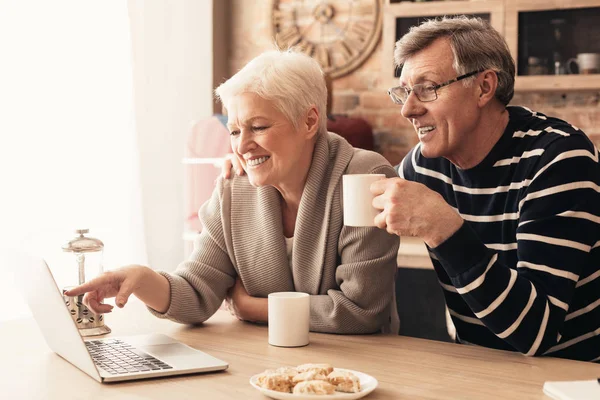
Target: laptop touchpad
{"type": "Point", "coordinates": [179, 355]}
{"type": "Point", "coordinates": [170, 350]}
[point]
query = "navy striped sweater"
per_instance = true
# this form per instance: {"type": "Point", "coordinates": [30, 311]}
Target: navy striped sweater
{"type": "Point", "coordinates": [523, 272]}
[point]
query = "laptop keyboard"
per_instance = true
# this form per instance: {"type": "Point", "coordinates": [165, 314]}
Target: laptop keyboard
{"type": "Point", "coordinates": [117, 357]}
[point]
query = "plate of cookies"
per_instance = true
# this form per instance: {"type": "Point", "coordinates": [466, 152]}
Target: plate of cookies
{"type": "Point", "coordinates": [310, 381]}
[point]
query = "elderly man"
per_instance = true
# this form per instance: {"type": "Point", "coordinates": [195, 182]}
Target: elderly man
{"type": "Point", "coordinates": [505, 198]}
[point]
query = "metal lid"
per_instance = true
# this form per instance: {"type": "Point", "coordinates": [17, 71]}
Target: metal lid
{"type": "Point", "coordinates": [82, 244]}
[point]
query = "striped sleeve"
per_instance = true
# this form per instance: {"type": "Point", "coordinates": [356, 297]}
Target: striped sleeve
{"type": "Point", "coordinates": [557, 229]}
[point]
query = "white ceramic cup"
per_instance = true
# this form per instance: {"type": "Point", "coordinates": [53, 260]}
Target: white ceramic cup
{"type": "Point", "coordinates": [358, 199]}
{"type": "Point", "coordinates": [587, 63]}
{"type": "Point", "coordinates": [289, 317]}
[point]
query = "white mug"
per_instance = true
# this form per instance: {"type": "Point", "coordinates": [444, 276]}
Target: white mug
{"type": "Point", "coordinates": [289, 318]}
{"type": "Point", "coordinates": [587, 63]}
{"type": "Point", "coordinates": [358, 199]}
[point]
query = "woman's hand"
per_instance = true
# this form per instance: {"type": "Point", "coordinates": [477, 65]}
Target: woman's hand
{"type": "Point", "coordinates": [152, 288]}
{"type": "Point", "coordinates": [236, 298]}
{"type": "Point", "coordinates": [245, 307]}
{"type": "Point", "coordinates": [231, 163]}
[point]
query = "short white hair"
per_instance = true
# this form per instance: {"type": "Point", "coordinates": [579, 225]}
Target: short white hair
{"type": "Point", "coordinates": [291, 80]}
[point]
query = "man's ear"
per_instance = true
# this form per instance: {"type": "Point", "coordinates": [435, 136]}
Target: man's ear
{"type": "Point", "coordinates": [487, 87]}
{"type": "Point", "coordinates": [312, 122]}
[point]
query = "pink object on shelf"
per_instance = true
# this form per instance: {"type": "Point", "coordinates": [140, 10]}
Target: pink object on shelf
{"type": "Point", "coordinates": [356, 131]}
{"type": "Point", "coordinates": [208, 138]}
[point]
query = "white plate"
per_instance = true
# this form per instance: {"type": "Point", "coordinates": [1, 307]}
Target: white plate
{"type": "Point", "coordinates": [367, 385]}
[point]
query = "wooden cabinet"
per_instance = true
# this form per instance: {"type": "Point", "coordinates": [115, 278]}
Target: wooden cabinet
{"type": "Point", "coordinates": [552, 31]}
{"type": "Point", "coordinates": [539, 33]}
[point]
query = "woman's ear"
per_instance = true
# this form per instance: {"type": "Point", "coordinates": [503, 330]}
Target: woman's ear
{"type": "Point", "coordinates": [487, 87]}
{"type": "Point", "coordinates": [312, 122]}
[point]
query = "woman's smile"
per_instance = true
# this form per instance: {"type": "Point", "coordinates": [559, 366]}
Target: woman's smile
{"type": "Point", "coordinates": [256, 162]}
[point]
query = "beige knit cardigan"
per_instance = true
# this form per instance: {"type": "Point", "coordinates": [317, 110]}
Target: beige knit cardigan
{"type": "Point", "coordinates": [348, 271]}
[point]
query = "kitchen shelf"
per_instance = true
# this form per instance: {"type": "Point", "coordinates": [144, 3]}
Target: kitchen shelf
{"type": "Point", "coordinates": [504, 16]}
{"type": "Point", "coordinates": [557, 82]}
{"type": "Point", "coordinates": [580, 33]}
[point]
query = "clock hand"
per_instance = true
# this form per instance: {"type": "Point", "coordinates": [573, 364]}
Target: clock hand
{"type": "Point", "coordinates": [322, 25]}
{"type": "Point", "coordinates": [306, 29]}
{"type": "Point", "coordinates": [338, 30]}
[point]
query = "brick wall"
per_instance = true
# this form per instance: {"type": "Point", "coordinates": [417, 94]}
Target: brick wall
{"type": "Point", "coordinates": [361, 94]}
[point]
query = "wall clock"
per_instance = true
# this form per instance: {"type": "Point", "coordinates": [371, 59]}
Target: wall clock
{"type": "Point", "coordinates": [339, 34]}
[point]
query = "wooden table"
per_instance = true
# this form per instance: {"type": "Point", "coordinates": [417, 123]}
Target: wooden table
{"type": "Point", "coordinates": [407, 368]}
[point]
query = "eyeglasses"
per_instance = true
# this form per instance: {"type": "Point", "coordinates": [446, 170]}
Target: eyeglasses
{"type": "Point", "coordinates": [424, 92]}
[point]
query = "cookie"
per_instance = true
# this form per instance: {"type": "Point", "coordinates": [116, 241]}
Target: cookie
{"type": "Point", "coordinates": [344, 381]}
{"type": "Point", "coordinates": [274, 380]}
{"type": "Point", "coordinates": [314, 387]}
{"type": "Point", "coordinates": [324, 369]}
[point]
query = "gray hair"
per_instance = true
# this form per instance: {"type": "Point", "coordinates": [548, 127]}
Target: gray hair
{"type": "Point", "coordinates": [476, 46]}
{"type": "Point", "coordinates": [292, 80]}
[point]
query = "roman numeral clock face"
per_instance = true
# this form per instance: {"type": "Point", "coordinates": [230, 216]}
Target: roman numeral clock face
{"type": "Point", "coordinates": [339, 34]}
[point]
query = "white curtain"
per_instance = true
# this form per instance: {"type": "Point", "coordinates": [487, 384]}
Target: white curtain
{"type": "Point", "coordinates": [69, 157]}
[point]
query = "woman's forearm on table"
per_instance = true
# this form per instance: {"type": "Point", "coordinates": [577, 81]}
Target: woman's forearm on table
{"type": "Point", "coordinates": [154, 290]}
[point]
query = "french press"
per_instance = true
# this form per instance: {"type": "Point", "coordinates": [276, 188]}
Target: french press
{"type": "Point", "coordinates": [87, 254]}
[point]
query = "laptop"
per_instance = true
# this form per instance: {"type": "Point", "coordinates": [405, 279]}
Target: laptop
{"type": "Point", "coordinates": [111, 359]}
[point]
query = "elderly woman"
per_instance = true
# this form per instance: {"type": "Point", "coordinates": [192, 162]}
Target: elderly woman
{"type": "Point", "coordinates": [279, 227]}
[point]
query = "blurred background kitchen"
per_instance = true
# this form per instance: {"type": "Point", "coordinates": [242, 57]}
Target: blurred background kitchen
{"type": "Point", "coordinates": [101, 104]}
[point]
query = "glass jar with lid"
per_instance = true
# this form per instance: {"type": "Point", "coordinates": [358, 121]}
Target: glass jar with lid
{"type": "Point", "coordinates": [537, 66]}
